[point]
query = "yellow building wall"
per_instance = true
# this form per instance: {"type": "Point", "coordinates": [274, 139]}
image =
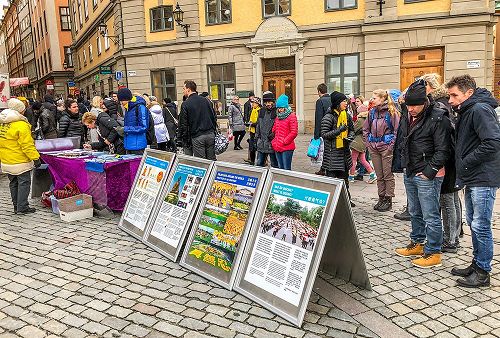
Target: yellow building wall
{"type": "Point", "coordinates": [157, 36]}
{"type": "Point", "coordinates": [247, 15]}
{"type": "Point", "coordinates": [433, 6]}
{"type": "Point", "coordinates": [93, 15]}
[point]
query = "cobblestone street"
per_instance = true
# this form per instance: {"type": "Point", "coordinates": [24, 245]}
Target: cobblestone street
{"type": "Point", "coordinates": [89, 278]}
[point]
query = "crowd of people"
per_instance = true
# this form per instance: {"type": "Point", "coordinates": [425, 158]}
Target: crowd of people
{"type": "Point", "coordinates": [444, 138]}
{"type": "Point", "coordinates": [290, 230]}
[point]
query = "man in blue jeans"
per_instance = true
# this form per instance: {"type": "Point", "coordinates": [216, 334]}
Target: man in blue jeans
{"type": "Point", "coordinates": [424, 149]}
{"type": "Point", "coordinates": [477, 160]}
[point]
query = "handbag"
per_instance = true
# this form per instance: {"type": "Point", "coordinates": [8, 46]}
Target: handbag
{"type": "Point", "coordinates": [313, 149]}
{"type": "Point", "coordinates": [221, 142]}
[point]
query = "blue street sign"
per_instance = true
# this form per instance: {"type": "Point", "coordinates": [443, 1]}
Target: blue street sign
{"type": "Point", "coordinates": [71, 84]}
{"type": "Point", "coordinates": [118, 76]}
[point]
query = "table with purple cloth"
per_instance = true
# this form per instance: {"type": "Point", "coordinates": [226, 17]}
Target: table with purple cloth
{"type": "Point", "coordinates": [108, 188]}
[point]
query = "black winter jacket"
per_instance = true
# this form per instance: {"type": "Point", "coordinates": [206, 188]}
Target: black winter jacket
{"type": "Point", "coordinates": [107, 130]}
{"type": "Point", "coordinates": [263, 131]}
{"type": "Point", "coordinates": [199, 117]}
{"type": "Point", "coordinates": [322, 105]}
{"type": "Point", "coordinates": [112, 108]}
{"type": "Point", "coordinates": [247, 110]}
{"type": "Point", "coordinates": [477, 153]}
{"type": "Point", "coordinates": [336, 158]}
{"type": "Point", "coordinates": [426, 147]}
{"type": "Point", "coordinates": [171, 119]}
{"type": "Point", "coordinates": [70, 125]}
{"type": "Point", "coordinates": [47, 120]}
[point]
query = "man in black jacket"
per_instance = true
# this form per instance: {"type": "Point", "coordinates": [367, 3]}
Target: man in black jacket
{"type": "Point", "coordinates": [424, 150]}
{"type": "Point", "coordinates": [197, 123]}
{"type": "Point", "coordinates": [322, 105]}
{"type": "Point", "coordinates": [477, 160]}
{"type": "Point", "coordinates": [48, 118]}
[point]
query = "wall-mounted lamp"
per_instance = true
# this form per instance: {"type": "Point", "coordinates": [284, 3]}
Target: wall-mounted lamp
{"type": "Point", "coordinates": [179, 18]}
{"type": "Point", "coordinates": [103, 30]}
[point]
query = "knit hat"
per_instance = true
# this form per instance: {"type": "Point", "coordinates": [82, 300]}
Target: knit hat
{"type": "Point", "coordinates": [268, 96]}
{"type": "Point", "coordinates": [416, 94]}
{"type": "Point", "coordinates": [336, 98]}
{"type": "Point", "coordinates": [124, 94]}
{"type": "Point", "coordinates": [16, 105]}
{"type": "Point", "coordinates": [282, 101]}
{"type": "Point", "coordinates": [256, 100]}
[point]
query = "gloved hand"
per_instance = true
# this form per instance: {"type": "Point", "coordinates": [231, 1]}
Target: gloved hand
{"type": "Point", "coordinates": [349, 138]}
{"type": "Point", "coordinates": [343, 128]}
{"type": "Point", "coordinates": [37, 163]}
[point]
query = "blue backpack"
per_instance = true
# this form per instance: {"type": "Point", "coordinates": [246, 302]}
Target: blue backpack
{"type": "Point", "coordinates": [385, 138]}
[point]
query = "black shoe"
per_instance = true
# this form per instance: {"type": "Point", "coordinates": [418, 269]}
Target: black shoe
{"type": "Point", "coordinates": [15, 210]}
{"type": "Point", "coordinates": [447, 247]}
{"type": "Point", "coordinates": [358, 178]}
{"type": "Point", "coordinates": [464, 272]}
{"type": "Point", "coordinates": [461, 230]}
{"type": "Point", "coordinates": [27, 211]}
{"type": "Point", "coordinates": [386, 205]}
{"type": "Point", "coordinates": [380, 200]}
{"type": "Point", "coordinates": [248, 162]}
{"type": "Point", "coordinates": [404, 215]}
{"type": "Point", "coordinates": [352, 205]}
{"type": "Point", "coordinates": [476, 279]}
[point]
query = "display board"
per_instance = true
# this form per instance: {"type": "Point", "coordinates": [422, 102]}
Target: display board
{"type": "Point", "coordinates": [287, 240]}
{"type": "Point", "coordinates": [177, 204]}
{"type": "Point", "coordinates": [221, 226]}
{"type": "Point", "coordinates": [149, 181]}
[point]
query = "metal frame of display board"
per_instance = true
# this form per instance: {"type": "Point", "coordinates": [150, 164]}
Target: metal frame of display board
{"type": "Point", "coordinates": [331, 225]}
{"type": "Point", "coordinates": [198, 265]}
{"type": "Point", "coordinates": [156, 243]}
{"type": "Point", "coordinates": [125, 225]}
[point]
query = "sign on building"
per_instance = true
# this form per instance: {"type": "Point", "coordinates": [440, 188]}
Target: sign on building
{"type": "Point", "coordinates": [171, 220]}
{"type": "Point", "coordinates": [118, 75]}
{"type": "Point", "coordinates": [219, 233]}
{"type": "Point", "coordinates": [151, 176]}
{"type": "Point", "coordinates": [473, 64]}
{"type": "Point", "coordinates": [105, 70]}
{"type": "Point", "coordinates": [4, 90]}
{"type": "Point", "coordinates": [131, 73]}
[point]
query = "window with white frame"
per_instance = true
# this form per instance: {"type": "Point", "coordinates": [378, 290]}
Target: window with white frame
{"type": "Point", "coordinates": [86, 8]}
{"type": "Point", "coordinates": [94, 3]}
{"type": "Point", "coordinates": [106, 40]}
{"type": "Point", "coordinates": [342, 73]}
{"type": "Point", "coordinates": [68, 56]}
{"type": "Point", "coordinates": [340, 4]}
{"type": "Point", "coordinates": [84, 57]}
{"type": "Point", "coordinates": [276, 7]}
{"type": "Point", "coordinates": [91, 57]}
{"type": "Point", "coordinates": [64, 18]}
{"type": "Point", "coordinates": [161, 18]}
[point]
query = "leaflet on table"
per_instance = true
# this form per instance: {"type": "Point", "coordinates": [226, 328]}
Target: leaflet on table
{"type": "Point", "coordinates": [223, 220]}
{"type": "Point", "coordinates": [145, 191]}
{"type": "Point", "coordinates": [177, 205]}
{"type": "Point", "coordinates": [283, 251]}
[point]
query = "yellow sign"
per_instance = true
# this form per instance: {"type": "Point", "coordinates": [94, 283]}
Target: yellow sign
{"type": "Point", "coordinates": [214, 92]}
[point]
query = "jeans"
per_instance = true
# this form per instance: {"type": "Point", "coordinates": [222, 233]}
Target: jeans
{"type": "Point", "coordinates": [451, 209]}
{"type": "Point", "coordinates": [285, 159]}
{"type": "Point", "coordinates": [261, 159]}
{"type": "Point", "coordinates": [423, 206]}
{"type": "Point", "coordinates": [204, 146]}
{"type": "Point", "coordinates": [479, 203]}
{"type": "Point", "coordinates": [20, 186]}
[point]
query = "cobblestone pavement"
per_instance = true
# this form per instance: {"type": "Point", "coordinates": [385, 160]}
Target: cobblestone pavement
{"type": "Point", "coordinates": [89, 278]}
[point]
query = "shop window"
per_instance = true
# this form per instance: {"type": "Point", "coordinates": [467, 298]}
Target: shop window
{"type": "Point", "coordinates": [163, 84]}
{"type": "Point", "coordinates": [342, 73]}
{"type": "Point", "coordinates": [64, 18]}
{"type": "Point", "coordinates": [331, 5]}
{"type": "Point", "coordinates": [217, 11]}
{"type": "Point", "coordinates": [221, 85]}
{"type": "Point", "coordinates": [161, 18]}
{"type": "Point", "coordinates": [276, 7]}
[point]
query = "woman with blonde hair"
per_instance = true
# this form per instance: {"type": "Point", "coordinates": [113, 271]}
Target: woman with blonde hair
{"type": "Point", "coordinates": [96, 108]}
{"type": "Point", "coordinates": [379, 134]}
{"type": "Point", "coordinates": [105, 127]}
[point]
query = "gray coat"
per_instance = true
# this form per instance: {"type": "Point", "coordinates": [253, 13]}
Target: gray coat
{"type": "Point", "coordinates": [235, 117]}
{"type": "Point", "coordinates": [263, 132]}
{"type": "Point", "coordinates": [335, 158]}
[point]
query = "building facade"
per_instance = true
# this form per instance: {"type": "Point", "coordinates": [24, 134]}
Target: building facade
{"type": "Point", "coordinates": [27, 46]}
{"type": "Point", "coordinates": [10, 25]}
{"type": "Point", "coordinates": [287, 46]}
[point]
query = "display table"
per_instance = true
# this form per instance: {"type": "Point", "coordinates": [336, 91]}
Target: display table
{"type": "Point", "coordinates": [109, 186]}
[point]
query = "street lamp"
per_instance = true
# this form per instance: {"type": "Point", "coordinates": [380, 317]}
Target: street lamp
{"type": "Point", "coordinates": [65, 65]}
{"type": "Point", "coordinates": [103, 30]}
{"type": "Point", "coordinates": [179, 18]}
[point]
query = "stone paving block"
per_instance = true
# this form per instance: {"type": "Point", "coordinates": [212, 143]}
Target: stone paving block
{"type": "Point", "coordinates": [11, 324]}
{"type": "Point", "coordinates": [41, 308]}
{"type": "Point", "coordinates": [463, 332]}
{"type": "Point", "coordinates": [264, 323]}
{"type": "Point", "coordinates": [14, 311]}
{"type": "Point", "coordinates": [173, 330]}
{"type": "Point", "coordinates": [242, 328]}
{"type": "Point", "coordinates": [217, 310]}
{"type": "Point", "coordinates": [221, 332]}
{"type": "Point", "coordinates": [76, 309]}
{"type": "Point", "coordinates": [141, 319]}
{"type": "Point", "coordinates": [72, 320]}
{"type": "Point", "coordinates": [33, 319]}
{"type": "Point", "coordinates": [95, 328]}
{"type": "Point", "coordinates": [338, 334]}
{"type": "Point", "coordinates": [478, 327]}
{"type": "Point", "coordinates": [74, 333]}
{"type": "Point", "coordinates": [193, 313]}
{"type": "Point", "coordinates": [218, 320]}
{"type": "Point", "coordinates": [338, 324]}
{"type": "Point", "coordinates": [290, 331]}
{"type": "Point", "coordinates": [171, 306]}
{"type": "Point", "coordinates": [115, 323]}
{"type": "Point", "coordinates": [169, 316]}
{"type": "Point", "coordinates": [93, 315]}
{"type": "Point", "coordinates": [145, 309]}
{"type": "Point", "coordinates": [54, 326]}
{"type": "Point", "coordinates": [193, 324]}
{"type": "Point", "coordinates": [420, 330]}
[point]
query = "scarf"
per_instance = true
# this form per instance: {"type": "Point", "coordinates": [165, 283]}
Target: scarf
{"type": "Point", "coordinates": [342, 120]}
{"type": "Point", "coordinates": [284, 114]}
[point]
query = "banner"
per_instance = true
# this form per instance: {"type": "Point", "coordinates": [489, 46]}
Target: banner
{"type": "Point", "coordinates": [4, 90]}
{"type": "Point", "coordinates": [283, 250]}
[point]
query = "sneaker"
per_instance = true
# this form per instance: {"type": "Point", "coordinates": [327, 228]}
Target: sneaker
{"type": "Point", "coordinates": [351, 179]}
{"type": "Point", "coordinates": [447, 247]}
{"type": "Point", "coordinates": [404, 215]}
{"type": "Point", "coordinates": [411, 250]}
{"type": "Point", "coordinates": [428, 261]}
{"type": "Point", "coordinates": [476, 279]}
{"type": "Point", "coordinates": [373, 178]}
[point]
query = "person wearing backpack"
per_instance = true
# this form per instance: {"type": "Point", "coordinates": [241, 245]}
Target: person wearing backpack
{"type": "Point", "coordinates": [136, 121]}
{"type": "Point", "coordinates": [379, 134]}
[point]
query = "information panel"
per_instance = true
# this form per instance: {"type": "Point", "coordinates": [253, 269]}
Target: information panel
{"type": "Point", "coordinates": [151, 176]}
{"type": "Point", "coordinates": [221, 227]}
{"type": "Point", "coordinates": [286, 241]}
{"type": "Point", "coordinates": [171, 220]}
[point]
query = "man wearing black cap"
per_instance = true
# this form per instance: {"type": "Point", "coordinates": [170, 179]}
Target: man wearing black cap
{"type": "Point", "coordinates": [425, 148]}
{"type": "Point", "coordinates": [136, 121]}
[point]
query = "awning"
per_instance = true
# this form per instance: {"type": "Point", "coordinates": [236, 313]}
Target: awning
{"type": "Point", "coordinates": [19, 81]}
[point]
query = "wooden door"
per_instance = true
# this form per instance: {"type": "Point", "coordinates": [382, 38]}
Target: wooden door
{"type": "Point", "coordinates": [410, 75]}
{"type": "Point", "coordinates": [281, 83]}
{"type": "Point", "coordinates": [415, 63]}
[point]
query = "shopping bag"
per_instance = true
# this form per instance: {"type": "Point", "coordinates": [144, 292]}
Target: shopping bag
{"type": "Point", "coordinates": [221, 143]}
{"type": "Point", "coordinates": [318, 161]}
{"type": "Point", "coordinates": [313, 149]}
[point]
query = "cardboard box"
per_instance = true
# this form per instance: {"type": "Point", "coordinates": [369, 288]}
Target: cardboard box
{"type": "Point", "coordinates": [76, 208]}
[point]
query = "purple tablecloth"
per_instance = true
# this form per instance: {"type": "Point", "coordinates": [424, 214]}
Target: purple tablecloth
{"type": "Point", "coordinates": [110, 188]}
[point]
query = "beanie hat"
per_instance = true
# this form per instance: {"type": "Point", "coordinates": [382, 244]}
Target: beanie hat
{"type": "Point", "coordinates": [268, 96]}
{"type": "Point", "coordinates": [256, 99]}
{"type": "Point", "coordinates": [16, 105]}
{"type": "Point", "coordinates": [36, 105]}
{"type": "Point", "coordinates": [282, 101]}
{"type": "Point", "coordinates": [48, 98]}
{"type": "Point", "coordinates": [124, 94]}
{"type": "Point", "coordinates": [416, 94]}
{"type": "Point", "coordinates": [336, 98]}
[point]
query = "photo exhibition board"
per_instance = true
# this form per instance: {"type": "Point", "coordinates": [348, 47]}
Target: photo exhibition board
{"type": "Point", "coordinates": [286, 241]}
{"type": "Point", "coordinates": [151, 176]}
{"type": "Point", "coordinates": [177, 204]}
{"type": "Point", "coordinates": [220, 228]}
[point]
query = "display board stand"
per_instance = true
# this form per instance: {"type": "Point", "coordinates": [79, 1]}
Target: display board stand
{"type": "Point", "coordinates": [151, 176]}
{"type": "Point", "coordinates": [302, 221]}
{"type": "Point", "coordinates": [342, 256]}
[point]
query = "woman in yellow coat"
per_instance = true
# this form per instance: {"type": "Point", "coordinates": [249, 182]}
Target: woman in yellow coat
{"type": "Point", "coordinates": [18, 154]}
